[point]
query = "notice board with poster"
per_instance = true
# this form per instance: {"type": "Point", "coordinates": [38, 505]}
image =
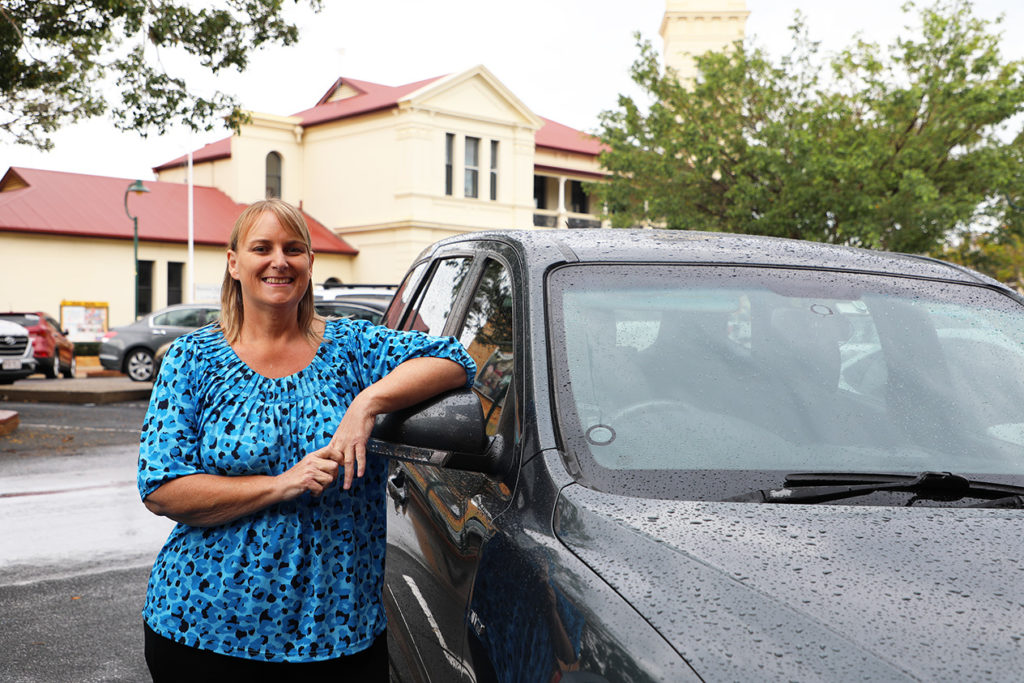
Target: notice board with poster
{"type": "Point", "coordinates": [85, 321]}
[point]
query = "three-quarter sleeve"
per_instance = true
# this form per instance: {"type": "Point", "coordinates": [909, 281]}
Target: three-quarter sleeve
{"type": "Point", "coordinates": [169, 444]}
{"type": "Point", "coordinates": [383, 349]}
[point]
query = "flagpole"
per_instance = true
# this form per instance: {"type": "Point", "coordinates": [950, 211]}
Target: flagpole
{"type": "Point", "coordinates": [191, 281]}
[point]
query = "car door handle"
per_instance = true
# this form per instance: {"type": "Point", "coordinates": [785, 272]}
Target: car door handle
{"type": "Point", "coordinates": [396, 489]}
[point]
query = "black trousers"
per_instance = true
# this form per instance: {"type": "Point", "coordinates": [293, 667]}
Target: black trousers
{"type": "Point", "coordinates": [172, 662]}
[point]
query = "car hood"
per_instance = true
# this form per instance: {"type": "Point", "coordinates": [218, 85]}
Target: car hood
{"type": "Point", "coordinates": [813, 592]}
{"type": "Point", "coordinates": [7, 327]}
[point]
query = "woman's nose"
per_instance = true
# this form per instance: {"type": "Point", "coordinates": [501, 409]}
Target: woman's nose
{"type": "Point", "coordinates": [278, 259]}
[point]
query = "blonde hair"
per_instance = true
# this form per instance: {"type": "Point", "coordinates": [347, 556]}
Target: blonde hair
{"type": "Point", "coordinates": [232, 312]}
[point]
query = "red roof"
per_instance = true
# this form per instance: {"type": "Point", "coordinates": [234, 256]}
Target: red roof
{"type": "Point", "coordinates": [211, 152]}
{"type": "Point", "coordinates": [57, 203]}
{"type": "Point", "coordinates": [373, 97]}
{"type": "Point", "coordinates": [558, 136]}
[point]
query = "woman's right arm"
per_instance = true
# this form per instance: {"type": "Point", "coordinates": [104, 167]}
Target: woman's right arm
{"type": "Point", "coordinates": [210, 499]}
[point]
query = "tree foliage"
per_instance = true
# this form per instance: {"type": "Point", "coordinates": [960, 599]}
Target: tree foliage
{"type": "Point", "coordinates": [57, 56]}
{"type": "Point", "coordinates": [892, 149]}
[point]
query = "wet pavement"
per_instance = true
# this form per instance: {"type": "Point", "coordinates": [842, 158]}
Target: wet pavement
{"type": "Point", "coordinates": [76, 543]}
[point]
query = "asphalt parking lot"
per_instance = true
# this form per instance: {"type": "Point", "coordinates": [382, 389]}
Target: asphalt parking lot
{"type": "Point", "coordinates": [76, 544]}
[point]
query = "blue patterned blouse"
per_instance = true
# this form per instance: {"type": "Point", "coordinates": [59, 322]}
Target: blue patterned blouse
{"type": "Point", "coordinates": [301, 580]}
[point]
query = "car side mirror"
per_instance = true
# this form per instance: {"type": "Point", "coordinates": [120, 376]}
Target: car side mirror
{"type": "Point", "coordinates": [446, 431]}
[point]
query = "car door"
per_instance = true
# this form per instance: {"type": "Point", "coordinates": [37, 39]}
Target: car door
{"type": "Point", "coordinates": [61, 345]}
{"type": "Point", "coordinates": [436, 525]}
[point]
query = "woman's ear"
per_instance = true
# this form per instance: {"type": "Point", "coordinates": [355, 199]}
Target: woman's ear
{"type": "Point", "coordinates": [232, 264]}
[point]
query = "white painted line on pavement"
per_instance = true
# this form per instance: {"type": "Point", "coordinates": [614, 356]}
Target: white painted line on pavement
{"type": "Point", "coordinates": [433, 623]}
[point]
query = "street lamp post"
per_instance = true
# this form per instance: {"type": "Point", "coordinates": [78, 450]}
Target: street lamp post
{"type": "Point", "coordinates": [138, 188]}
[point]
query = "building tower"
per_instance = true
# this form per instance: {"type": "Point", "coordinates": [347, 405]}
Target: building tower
{"type": "Point", "coordinates": [692, 27]}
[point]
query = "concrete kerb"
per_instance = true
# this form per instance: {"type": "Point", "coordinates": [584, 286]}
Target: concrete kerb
{"type": "Point", "coordinates": [9, 421]}
{"type": "Point", "coordinates": [78, 390]}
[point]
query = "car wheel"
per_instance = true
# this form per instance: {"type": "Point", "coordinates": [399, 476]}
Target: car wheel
{"type": "Point", "coordinates": [139, 365]}
{"type": "Point", "coordinates": [51, 366]}
{"type": "Point", "coordinates": [72, 368]}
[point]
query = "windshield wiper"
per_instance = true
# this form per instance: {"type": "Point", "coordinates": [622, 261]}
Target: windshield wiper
{"type": "Point", "coordinates": [822, 487]}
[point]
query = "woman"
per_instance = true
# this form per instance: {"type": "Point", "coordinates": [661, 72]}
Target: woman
{"type": "Point", "coordinates": [254, 443]}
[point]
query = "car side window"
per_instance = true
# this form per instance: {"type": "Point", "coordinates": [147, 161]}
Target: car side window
{"type": "Point", "coordinates": [487, 336]}
{"type": "Point", "coordinates": [435, 303]}
{"type": "Point", "coordinates": [403, 296]}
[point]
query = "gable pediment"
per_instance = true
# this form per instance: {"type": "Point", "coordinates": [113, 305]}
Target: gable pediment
{"type": "Point", "coordinates": [476, 94]}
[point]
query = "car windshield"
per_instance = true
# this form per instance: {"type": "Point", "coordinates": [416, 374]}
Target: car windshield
{"type": "Point", "coordinates": [676, 377]}
{"type": "Point", "coordinates": [23, 319]}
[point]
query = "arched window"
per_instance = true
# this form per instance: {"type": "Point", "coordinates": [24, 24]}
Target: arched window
{"type": "Point", "coordinates": [273, 176]}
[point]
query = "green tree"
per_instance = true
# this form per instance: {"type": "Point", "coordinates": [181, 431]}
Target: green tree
{"type": "Point", "coordinates": [892, 149]}
{"type": "Point", "coordinates": [56, 56]}
{"type": "Point", "coordinates": [998, 253]}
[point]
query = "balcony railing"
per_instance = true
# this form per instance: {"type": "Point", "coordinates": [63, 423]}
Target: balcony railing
{"type": "Point", "coordinates": [543, 218]}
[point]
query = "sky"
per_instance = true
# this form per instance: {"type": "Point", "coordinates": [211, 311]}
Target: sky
{"type": "Point", "coordinates": [567, 60]}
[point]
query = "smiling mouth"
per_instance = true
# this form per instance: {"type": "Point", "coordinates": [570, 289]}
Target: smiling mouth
{"type": "Point", "coordinates": [278, 280]}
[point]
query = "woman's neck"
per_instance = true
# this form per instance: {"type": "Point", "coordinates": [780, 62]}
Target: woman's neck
{"type": "Point", "coordinates": [274, 345]}
{"type": "Point", "coordinates": [270, 326]}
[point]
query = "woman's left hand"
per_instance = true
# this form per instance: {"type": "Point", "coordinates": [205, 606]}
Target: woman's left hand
{"type": "Point", "coordinates": [348, 445]}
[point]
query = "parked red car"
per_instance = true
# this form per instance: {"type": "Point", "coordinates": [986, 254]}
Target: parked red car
{"type": "Point", "coordinates": [54, 352]}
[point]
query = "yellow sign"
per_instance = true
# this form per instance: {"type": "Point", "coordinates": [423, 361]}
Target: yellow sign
{"type": "Point", "coordinates": [85, 321]}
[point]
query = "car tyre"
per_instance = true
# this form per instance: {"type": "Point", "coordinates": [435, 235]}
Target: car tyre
{"type": "Point", "coordinates": [51, 366]}
{"type": "Point", "coordinates": [139, 365]}
{"type": "Point", "coordinates": [72, 368]}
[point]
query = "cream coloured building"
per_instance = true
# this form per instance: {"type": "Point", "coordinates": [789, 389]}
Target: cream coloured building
{"type": "Point", "coordinates": [692, 27]}
{"type": "Point", "coordinates": [383, 170]}
{"type": "Point", "coordinates": [393, 169]}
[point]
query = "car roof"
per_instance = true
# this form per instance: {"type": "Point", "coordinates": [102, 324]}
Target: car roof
{"type": "Point", "coordinates": [174, 307]}
{"type": "Point", "coordinates": [362, 300]}
{"type": "Point", "coordinates": [693, 247]}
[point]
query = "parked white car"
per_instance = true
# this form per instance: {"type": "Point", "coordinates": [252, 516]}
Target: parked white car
{"type": "Point", "coordinates": [16, 353]}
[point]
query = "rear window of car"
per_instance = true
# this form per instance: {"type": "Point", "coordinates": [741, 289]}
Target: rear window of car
{"type": "Point", "coordinates": [342, 310]}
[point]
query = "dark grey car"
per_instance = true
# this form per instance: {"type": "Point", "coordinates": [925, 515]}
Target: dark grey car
{"type": "Point", "coordinates": [693, 456]}
{"type": "Point", "coordinates": [356, 307]}
{"type": "Point", "coordinates": [130, 348]}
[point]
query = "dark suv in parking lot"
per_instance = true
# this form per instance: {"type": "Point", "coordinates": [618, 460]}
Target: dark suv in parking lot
{"type": "Point", "coordinates": [693, 456]}
{"type": "Point", "coordinates": [357, 301]}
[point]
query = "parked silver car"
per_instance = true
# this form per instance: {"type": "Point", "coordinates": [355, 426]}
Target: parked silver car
{"type": "Point", "coordinates": [130, 348]}
{"type": "Point", "coordinates": [16, 353]}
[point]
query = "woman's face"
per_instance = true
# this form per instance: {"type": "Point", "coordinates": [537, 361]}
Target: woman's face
{"type": "Point", "coordinates": [272, 265]}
